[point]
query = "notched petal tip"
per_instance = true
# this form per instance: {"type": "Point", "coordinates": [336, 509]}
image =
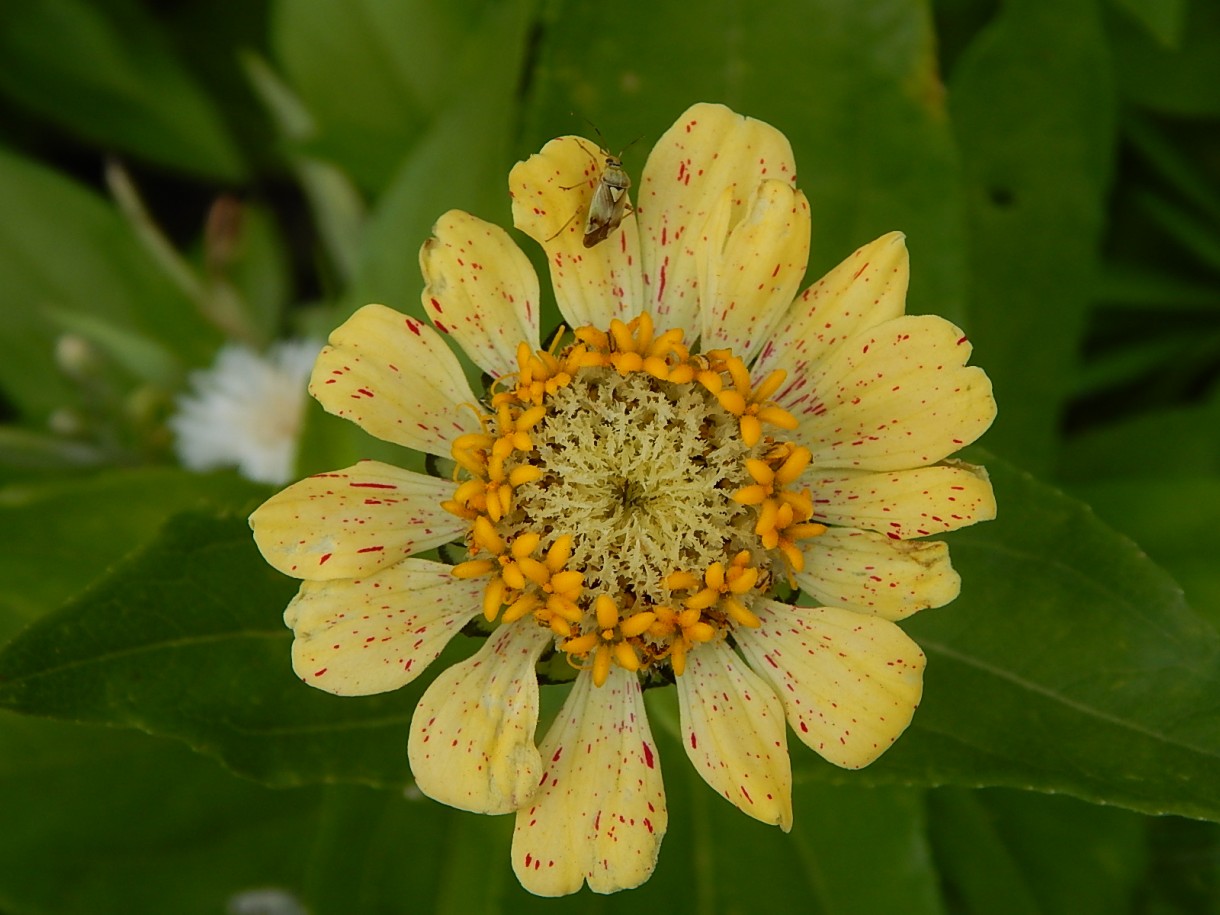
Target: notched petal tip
{"type": "Point", "coordinates": [596, 278]}
{"type": "Point", "coordinates": [481, 289]}
{"type": "Point", "coordinates": [850, 683]}
{"type": "Point", "coordinates": [471, 743]}
{"type": "Point", "coordinates": [395, 377]}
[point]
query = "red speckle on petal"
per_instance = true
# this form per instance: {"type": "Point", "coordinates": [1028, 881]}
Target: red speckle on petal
{"type": "Point", "coordinates": [648, 757]}
{"type": "Point", "coordinates": [325, 556]}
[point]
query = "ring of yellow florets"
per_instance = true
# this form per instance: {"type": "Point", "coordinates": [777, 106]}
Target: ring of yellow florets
{"type": "Point", "coordinates": [731, 507]}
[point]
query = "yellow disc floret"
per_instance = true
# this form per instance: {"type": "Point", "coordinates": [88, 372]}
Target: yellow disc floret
{"type": "Point", "coordinates": [623, 493]}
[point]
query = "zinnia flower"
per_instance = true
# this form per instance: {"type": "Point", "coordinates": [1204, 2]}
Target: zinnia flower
{"type": "Point", "coordinates": [245, 411]}
{"type": "Point", "coordinates": [638, 498]}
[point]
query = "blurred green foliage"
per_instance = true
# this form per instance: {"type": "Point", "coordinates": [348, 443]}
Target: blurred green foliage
{"type": "Point", "coordinates": [173, 176]}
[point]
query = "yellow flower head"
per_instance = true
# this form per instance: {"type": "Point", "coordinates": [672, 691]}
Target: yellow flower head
{"type": "Point", "coordinates": [635, 497]}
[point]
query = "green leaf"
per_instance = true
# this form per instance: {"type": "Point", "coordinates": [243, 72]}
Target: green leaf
{"type": "Point", "coordinates": [1184, 876]}
{"type": "Point", "coordinates": [1163, 19]}
{"type": "Point", "coordinates": [1171, 162]}
{"type": "Point", "coordinates": [401, 64]}
{"type": "Point", "coordinates": [1036, 138]}
{"type": "Point", "coordinates": [63, 248]}
{"type": "Point", "coordinates": [251, 255]}
{"type": "Point", "coordinates": [38, 453]}
{"type": "Point", "coordinates": [57, 537]}
{"type": "Point", "coordinates": [117, 822]}
{"type": "Point", "coordinates": [1183, 80]}
{"type": "Point", "coordinates": [1010, 853]}
{"type": "Point", "coordinates": [186, 639]}
{"type": "Point", "coordinates": [375, 849]}
{"type": "Point", "coordinates": [853, 86]}
{"type": "Point", "coordinates": [135, 353]}
{"type": "Point", "coordinates": [1129, 285]}
{"type": "Point", "coordinates": [460, 159]}
{"type": "Point", "coordinates": [1196, 236]}
{"type": "Point", "coordinates": [1160, 365]}
{"type": "Point", "coordinates": [1070, 664]}
{"type": "Point", "coordinates": [1175, 519]}
{"type": "Point", "coordinates": [973, 858]}
{"type": "Point", "coordinates": [1179, 442]}
{"type": "Point", "coordinates": [106, 72]}
{"type": "Point", "coordinates": [336, 206]}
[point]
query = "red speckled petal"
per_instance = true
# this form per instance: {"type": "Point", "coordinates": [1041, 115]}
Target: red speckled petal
{"type": "Point", "coordinates": [708, 149]}
{"type": "Point", "coordinates": [734, 732]}
{"type": "Point", "coordinates": [395, 378]}
{"type": "Point", "coordinates": [371, 635]}
{"type": "Point", "coordinates": [599, 815]}
{"type": "Point", "coordinates": [352, 522]}
{"type": "Point", "coordinates": [903, 504]}
{"type": "Point", "coordinates": [897, 396]}
{"type": "Point", "coordinates": [472, 735]}
{"type": "Point", "coordinates": [866, 289]}
{"type": "Point", "coordinates": [850, 683]}
{"type": "Point", "coordinates": [551, 192]}
{"type": "Point", "coordinates": [480, 288]}
{"type": "Point", "coordinates": [753, 269]}
{"type": "Point", "coordinates": [870, 573]}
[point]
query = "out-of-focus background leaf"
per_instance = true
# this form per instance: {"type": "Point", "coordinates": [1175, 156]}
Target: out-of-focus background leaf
{"type": "Point", "coordinates": [175, 176]}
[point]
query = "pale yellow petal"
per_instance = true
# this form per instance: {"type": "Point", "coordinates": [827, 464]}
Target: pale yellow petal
{"type": "Point", "coordinates": [870, 573]}
{"type": "Point", "coordinates": [850, 683]}
{"type": "Point", "coordinates": [751, 274]}
{"type": "Point", "coordinates": [734, 733]}
{"type": "Point", "coordinates": [904, 503]}
{"type": "Point", "coordinates": [707, 149]}
{"type": "Point", "coordinates": [472, 735]}
{"type": "Point", "coordinates": [899, 395]}
{"type": "Point", "coordinates": [371, 635]}
{"type": "Point", "coordinates": [396, 378]}
{"type": "Point", "coordinates": [552, 191]}
{"type": "Point", "coordinates": [866, 289]}
{"type": "Point", "coordinates": [599, 815]}
{"type": "Point", "coordinates": [350, 523]}
{"type": "Point", "coordinates": [481, 288]}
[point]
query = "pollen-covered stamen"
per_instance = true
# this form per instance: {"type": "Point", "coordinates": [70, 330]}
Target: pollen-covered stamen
{"type": "Point", "coordinates": [635, 347]}
{"type": "Point", "coordinates": [676, 631]}
{"type": "Point", "coordinates": [752, 405]}
{"type": "Point", "coordinates": [554, 590]}
{"type": "Point", "coordinates": [470, 451]}
{"type": "Point", "coordinates": [787, 529]}
{"type": "Point", "coordinates": [612, 639]}
{"type": "Point", "coordinates": [783, 513]}
{"type": "Point", "coordinates": [484, 456]}
{"type": "Point", "coordinates": [721, 588]}
{"type": "Point", "coordinates": [509, 579]}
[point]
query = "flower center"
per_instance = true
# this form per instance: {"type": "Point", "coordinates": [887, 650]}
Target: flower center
{"type": "Point", "coordinates": [640, 471]}
{"type": "Point", "coordinates": [623, 495]}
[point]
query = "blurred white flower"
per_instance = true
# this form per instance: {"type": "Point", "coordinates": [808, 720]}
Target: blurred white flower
{"type": "Point", "coordinates": [245, 411]}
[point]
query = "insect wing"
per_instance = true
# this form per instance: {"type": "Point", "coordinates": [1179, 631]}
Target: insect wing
{"type": "Point", "coordinates": [607, 208]}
